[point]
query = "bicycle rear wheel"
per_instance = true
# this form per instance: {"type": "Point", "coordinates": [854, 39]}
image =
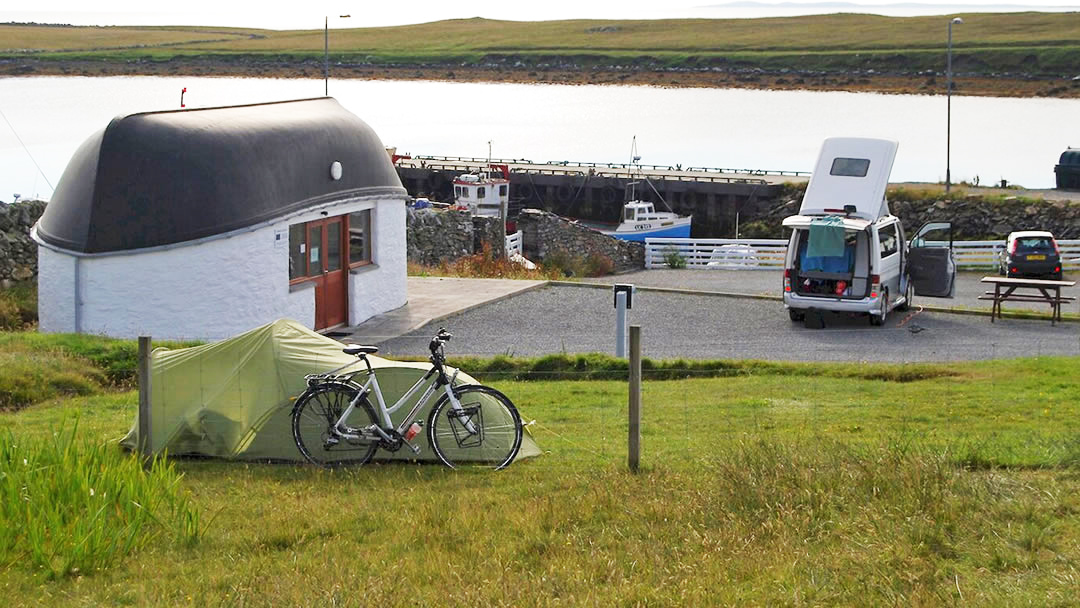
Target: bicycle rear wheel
{"type": "Point", "coordinates": [485, 432]}
{"type": "Point", "coordinates": [313, 419]}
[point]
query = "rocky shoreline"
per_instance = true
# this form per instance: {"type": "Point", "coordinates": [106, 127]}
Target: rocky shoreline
{"type": "Point", "coordinates": [1003, 85]}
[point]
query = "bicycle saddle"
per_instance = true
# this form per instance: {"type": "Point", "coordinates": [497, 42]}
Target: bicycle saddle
{"type": "Point", "coordinates": [356, 349]}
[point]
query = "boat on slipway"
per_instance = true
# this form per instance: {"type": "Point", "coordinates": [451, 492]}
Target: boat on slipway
{"type": "Point", "coordinates": [640, 219]}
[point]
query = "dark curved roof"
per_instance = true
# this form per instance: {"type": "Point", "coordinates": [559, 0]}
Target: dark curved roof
{"type": "Point", "coordinates": [159, 178]}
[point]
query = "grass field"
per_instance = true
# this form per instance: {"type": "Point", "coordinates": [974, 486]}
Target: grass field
{"type": "Point", "coordinates": [1029, 43]}
{"type": "Point", "coordinates": [777, 484]}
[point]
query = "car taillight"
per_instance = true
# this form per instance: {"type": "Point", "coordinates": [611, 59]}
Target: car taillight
{"type": "Point", "coordinates": [787, 279]}
{"type": "Point", "coordinates": [875, 281]}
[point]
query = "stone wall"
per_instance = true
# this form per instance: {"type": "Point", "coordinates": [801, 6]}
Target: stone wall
{"type": "Point", "coordinates": [435, 236]}
{"type": "Point", "coordinates": [974, 218]}
{"type": "Point", "coordinates": [18, 252]}
{"type": "Point", "coordinates": [545, 235]}
{"type": "Point", "coordinates": [489, 231]}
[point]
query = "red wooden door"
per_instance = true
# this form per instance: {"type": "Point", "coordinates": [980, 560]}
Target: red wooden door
{"type": "Point", "coordinates": [327, 263]}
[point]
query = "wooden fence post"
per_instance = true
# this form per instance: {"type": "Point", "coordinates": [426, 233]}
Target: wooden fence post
{"type": "Point", "coordinates": [634, 440]}
{"type": "Point", "coordinates": [145, 446]}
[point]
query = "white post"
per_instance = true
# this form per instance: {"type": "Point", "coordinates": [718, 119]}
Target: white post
{"type": "Point", "coordinates": [620, 323]}
{"type": "Point", "coordinates": [624, 300]}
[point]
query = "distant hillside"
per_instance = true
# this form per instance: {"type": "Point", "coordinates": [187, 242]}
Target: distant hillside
{"type": "Point", "coordinates": [1007, 47]}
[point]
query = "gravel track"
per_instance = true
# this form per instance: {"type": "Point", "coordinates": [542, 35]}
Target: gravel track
{"type": "Point", "coordinates": [580, 318]}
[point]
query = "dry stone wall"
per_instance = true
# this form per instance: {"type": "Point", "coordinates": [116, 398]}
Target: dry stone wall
{"type": "Point", "coordinates": [545, 235]}
{"type": "Point", "coordinates": [434, 236]}
{"type": "Point", "coordinates": [974, 218]}
{"type": "Point", "coordinates": [18, 252]}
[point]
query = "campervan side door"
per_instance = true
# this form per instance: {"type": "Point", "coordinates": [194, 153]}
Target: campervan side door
{"type": "Point", "coordinates": [930, 264]}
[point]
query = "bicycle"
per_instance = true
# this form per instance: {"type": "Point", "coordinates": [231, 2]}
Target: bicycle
{"type": "Point", "coordinates": [335, 424]}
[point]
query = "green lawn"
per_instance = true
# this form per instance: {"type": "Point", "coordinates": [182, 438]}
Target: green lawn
{"type": "Point", "coordinates": [780, 484]}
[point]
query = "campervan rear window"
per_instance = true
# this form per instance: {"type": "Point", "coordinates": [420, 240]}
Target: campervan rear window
{"type": "Point", "coordinates": [850, 167]}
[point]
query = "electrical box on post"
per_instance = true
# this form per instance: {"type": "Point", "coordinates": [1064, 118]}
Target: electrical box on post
{"type": "Point", "coordinates": [628, 290]}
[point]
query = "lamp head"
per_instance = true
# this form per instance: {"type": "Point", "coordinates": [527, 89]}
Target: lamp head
{"type": "Point", "coordinates": [957, 20]}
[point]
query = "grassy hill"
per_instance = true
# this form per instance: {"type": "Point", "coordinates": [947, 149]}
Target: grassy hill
{"type": "Point", "coordinates": [1031, 44]}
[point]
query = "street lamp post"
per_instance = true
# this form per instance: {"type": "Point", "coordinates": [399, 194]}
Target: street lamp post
{"type": "Point", "coordinates": [326, 53]}
{"type": "Point", "coordinates": [948, 101]}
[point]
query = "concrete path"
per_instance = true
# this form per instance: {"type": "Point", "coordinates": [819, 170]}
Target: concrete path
{"type": "Point", "coordinates": [431, 299]}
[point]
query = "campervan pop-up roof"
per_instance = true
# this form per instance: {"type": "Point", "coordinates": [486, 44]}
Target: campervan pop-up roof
{"type": "Point", "coordinates": [851, 171]}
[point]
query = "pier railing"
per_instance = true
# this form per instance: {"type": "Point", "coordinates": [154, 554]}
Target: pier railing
{"type": "Point", "coordinates": [766, 254]}
{"type": "Point", "coordinates": [464, 164]}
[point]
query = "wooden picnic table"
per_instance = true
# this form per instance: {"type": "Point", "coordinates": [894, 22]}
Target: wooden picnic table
{"type": "Point", "coordinates": [1035, 290]}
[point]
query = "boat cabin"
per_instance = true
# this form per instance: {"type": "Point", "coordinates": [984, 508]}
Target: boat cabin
{"type": "Point", "coordinates": [641, 211]}
{"type": "Point", "coordinates": [482, 194]}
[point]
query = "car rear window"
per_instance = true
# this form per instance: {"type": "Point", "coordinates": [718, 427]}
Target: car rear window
{"type": "Point", "coordinates": [1032, 243]}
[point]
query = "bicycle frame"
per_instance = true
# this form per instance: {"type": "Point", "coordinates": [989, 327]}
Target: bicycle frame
{"type": "Point", "coordinates": [384, 412]}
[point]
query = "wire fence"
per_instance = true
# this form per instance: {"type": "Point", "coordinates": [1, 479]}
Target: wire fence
{"type": "Point", "coordinates": [994, 404]}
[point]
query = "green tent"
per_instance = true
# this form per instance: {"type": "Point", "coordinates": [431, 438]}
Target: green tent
{"type": "Point", "coordinates": [233, 399]}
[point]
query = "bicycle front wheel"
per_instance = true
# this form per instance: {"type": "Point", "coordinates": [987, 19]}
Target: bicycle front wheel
{"type": "Point", "coordinates": [485, 431]}
{"type": "Point", "coordinates": [313, 419]}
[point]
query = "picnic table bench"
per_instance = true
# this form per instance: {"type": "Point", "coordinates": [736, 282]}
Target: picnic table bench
{"type": "Point", "coordinates": [1037, 290]}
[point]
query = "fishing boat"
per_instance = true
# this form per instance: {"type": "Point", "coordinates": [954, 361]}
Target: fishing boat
{"type": "Point", "coordinates": [640, 219]}
{"type": "Point", "coordinates": [482, 192]}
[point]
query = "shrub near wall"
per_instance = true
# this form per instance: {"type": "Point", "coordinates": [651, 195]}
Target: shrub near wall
{"type": "Point", "coordinates": [18, 252]}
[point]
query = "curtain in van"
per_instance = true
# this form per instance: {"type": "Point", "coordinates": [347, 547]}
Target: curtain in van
{"type": "Point", "coordinates": [826, 237]}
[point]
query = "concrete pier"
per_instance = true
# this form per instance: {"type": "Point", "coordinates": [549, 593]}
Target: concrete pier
{"type": "Point", "coordinates": [597, 191]}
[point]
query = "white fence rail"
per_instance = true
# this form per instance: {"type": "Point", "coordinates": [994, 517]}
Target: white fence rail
{"type": "Point", "coordinates": [513, 243]}
{"type": "Point", "coordinates": [765, 254]}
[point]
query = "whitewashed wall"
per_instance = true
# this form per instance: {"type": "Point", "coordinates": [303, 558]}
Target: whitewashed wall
{"type": "Point", "coordinates": [381, 287]}
{"type": "Point", "coordinates": [215, 288]}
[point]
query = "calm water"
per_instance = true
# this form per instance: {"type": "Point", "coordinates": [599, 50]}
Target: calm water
{"type": "Point", "coordinates": [1019, 140]}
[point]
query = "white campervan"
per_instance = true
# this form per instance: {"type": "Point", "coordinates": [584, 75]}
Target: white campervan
{"type": "Point", "coordinates": [847, 253]}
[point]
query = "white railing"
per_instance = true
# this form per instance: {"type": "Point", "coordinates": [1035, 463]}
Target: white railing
{"type": "Point", "coordinates": [719, 254]}
{"type": "Point", "coordinates": [513, 243]}
{"type": "Point", "coordinates": [765, 254]}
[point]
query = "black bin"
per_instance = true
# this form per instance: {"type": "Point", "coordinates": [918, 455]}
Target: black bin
{"type": "Point", "coordinates": [1068, 170]}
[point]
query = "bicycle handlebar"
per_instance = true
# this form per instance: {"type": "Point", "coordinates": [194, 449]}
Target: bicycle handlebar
{"type": "Point", "coordinates": [440, 338]}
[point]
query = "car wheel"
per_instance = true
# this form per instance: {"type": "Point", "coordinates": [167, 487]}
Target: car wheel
{"type": "Point", "coordinates": [879, 317]}
{"type": "Point", "coordinates": [795, 314]}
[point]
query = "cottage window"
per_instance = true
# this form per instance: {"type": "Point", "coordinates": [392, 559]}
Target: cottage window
{"type": "Point", "coordinates": [329, 245]}
{"type": "Point", "coordinates": [360, 238]}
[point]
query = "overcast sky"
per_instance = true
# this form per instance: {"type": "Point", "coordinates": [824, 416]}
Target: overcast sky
{"type": "Point", "coordinates": [277, 14]}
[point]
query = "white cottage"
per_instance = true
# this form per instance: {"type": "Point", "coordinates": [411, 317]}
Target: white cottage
{"type": "Point", "coordinates": [205, 223]}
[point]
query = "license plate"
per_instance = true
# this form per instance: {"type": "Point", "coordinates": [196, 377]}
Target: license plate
{"type": "Point", "coordinates": [1032, 258]}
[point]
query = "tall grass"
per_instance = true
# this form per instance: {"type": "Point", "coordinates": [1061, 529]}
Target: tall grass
{"type": "Point", "coordinates": [18, 306]}
{"type": "Point", "coordinates": [775, 484]}
{"type": "Point", "coordinates": [69, 506]}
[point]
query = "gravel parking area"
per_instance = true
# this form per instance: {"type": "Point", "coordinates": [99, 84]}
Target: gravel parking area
{"type": "Point", "coordinates": [770, 282]}
{"type": "Point", "coordinates": [581, 318]}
